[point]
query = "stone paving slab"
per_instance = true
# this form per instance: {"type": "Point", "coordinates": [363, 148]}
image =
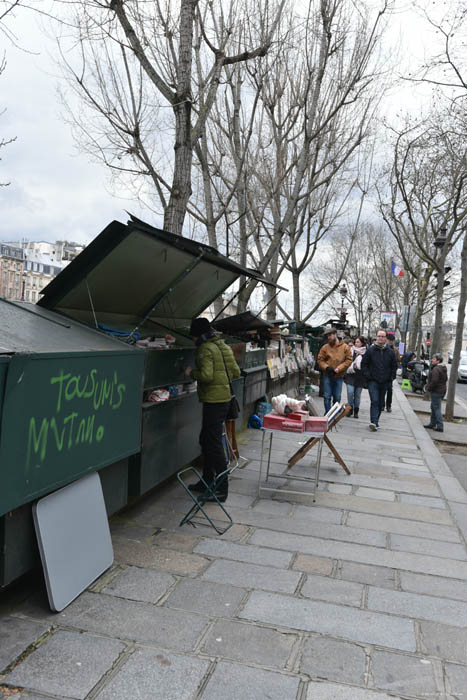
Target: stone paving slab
{"type": "Point", "coordinates": [16, 635]}
{"type": "Point", "coordinates": [246, 553]}
{"type": "Point", "coordinates": [332, 691]}
{"type": "Point", "coordinates": [421, 545]}
{"type": "Point", "coordinates": [332, 590]}
{"type": "Point", "coordinates": [450, 612]}
{"type": "Point", "coordinates": [129, 620]}
{"type": "Point", "coordinates": [213, 599]}
{"type": "Point", "coordinates": [240, 681]}
{"type": "Point", "coordinates": [238, 641]}
{"type": "Point", "coordinates": [313, 565]}
{"type": "Point", "coordinates": [447, 533]}
{"type": "Point", "coordinates": [456, 680]}
{"type": "Point", "coordinates": [422, 500]}
{"type": "Point", "coordinates": [333, 660]}
{"type": "Point", "coordinates": [407, 675]}
{"type": "Point", "coordinates": [68, 664]}
{"type": "Point", "coordinates": [335, 620]}
{"type": "Point", "coordinates": [433, 585]}
{"type": "Point", "coordinates": [252, 576]}
{"type": "Point", "coordinates": [444, 641]}
{"type": "Point", "coordinates": [148, 556]}
{"type": "Point", "coordinates": [362, 573]}
{"type": "Point", "coordinates": [418, 563]}
{"type": "Point", "coordinates": [394, 510]}
{"type": "Point", "coordinates": [140, 584]}
{"type": "Point", "coordinates": [158, 675]}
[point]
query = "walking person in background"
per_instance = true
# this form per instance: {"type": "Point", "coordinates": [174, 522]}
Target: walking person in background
{"type": "Point", "coordinates": [354, 378]}
{"type": "Point", "coordinates": [215, 369]}
{"type": "Point", "coordinates": [406, 358]}
{"type": "Point", "coordinates": [379, 367]}
{"type": "Point", "coordinates": [333, 359]}
{"type": "Point", "coordinates": [390, 339]}
{"type": "Point", "coordinates": [436, 385]}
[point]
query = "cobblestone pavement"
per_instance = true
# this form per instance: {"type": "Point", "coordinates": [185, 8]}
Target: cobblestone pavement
{"type": "Point", "coordinates": [360, 596]}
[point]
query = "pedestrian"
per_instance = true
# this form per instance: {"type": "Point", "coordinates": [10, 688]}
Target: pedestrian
{"type": "Point", "coordinates": [391, 338]}
{"type": "Point", "coordinates": [333, 359]}
{"type": "Point", "coordinates": [436, 385]}
{"type": "Point", "coordinates": [406, 358]}
{"type": "Point", "coordinates": [354, 378]}
{"type": "Point", "coordinates": [379, 367]}
{"type": "Point", "coordinates": [215, 369]}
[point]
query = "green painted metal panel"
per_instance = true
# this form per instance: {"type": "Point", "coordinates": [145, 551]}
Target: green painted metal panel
{"type": "Point", "coordinates": [169, 441]}
{"type": "Point", "coordinates": [4, 361]}
{"type": "Point", "coordinates": [64, 416]}
{"type": "Point", "coordinates": [18, 545]}
{"type": "Point", "coordinates": [165, 367]}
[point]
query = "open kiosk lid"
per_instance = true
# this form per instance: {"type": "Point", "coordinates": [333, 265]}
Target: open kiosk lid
{"type": "Point", "coordinates": [246, 321]}
{"type": "Point", "coordinates": [135, 275]}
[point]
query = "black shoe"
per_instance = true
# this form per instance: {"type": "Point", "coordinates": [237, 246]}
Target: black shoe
{"type": "Point", "coordinates": [198, 487]}
{"type": "Point", "coordinates": [389, 409]}
{"type": "Point", "coordinates": [355, 412]}
{"type": "Point", "coordinates": [431, 427]}
{"type": "Point", "coordinates": [221, 497]}
{"type": "Point", "coordinates": [439, 429]}
{"type": "Point", "coordinates": [350, 413]}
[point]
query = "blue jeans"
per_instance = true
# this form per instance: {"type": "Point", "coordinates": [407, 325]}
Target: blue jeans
{"type": "Point", "coordinates": [377, 393]}
{"type": "Point", "coordinates": [436, 418]}
{"type": "Point", "coordinates": [353, 395]}
{"type": "Point", "coordinates": [332, 390]}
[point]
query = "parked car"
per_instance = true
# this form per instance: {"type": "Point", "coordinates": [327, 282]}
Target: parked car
{"type": "Point", "coordinates": [462, 370]}
{"type": "Point", "coordinates": [450, 356]}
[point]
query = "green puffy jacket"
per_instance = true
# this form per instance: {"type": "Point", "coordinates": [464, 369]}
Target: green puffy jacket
{"type": "Point", "coordinates": [213, 384]}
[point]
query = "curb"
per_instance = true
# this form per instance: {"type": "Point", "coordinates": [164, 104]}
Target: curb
{"type": "Point", "coordinates": [452, 490]}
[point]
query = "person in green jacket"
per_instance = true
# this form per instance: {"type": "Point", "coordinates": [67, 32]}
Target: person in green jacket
{"type": "Point", "coordinates": [215, 369]}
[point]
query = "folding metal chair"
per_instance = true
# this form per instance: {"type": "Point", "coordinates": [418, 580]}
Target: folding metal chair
{"type": "Point", "coordinates": [209, 494]}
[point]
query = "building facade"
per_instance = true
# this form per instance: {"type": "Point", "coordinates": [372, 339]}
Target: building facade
{"type": "Point", "coordinates": [12, 271]}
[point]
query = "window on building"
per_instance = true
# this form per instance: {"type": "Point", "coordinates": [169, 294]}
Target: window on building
{"type": "Point", "coordinates": [26, 294]}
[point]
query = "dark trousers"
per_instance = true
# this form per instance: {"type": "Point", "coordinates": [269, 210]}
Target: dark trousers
{"type": "Point", "coordinates": [210, 439]}
{"type": "Point", "coordinates": [377, 393]}
{"type": "Point", "coordinates": [436, 418]}
{"type": "Point", "coordinates": [389, 396]}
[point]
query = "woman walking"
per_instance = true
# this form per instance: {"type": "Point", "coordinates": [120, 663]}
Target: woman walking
{"type": "Point", "coordinates": [354, 377]}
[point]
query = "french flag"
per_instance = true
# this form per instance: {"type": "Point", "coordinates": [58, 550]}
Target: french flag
{"type": "Point", "coordinates": [396, 270]}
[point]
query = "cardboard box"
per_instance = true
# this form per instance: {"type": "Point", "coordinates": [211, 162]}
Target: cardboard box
{"type": "Point", "coordinates": [293, 426]}
{"type": "Point", "coordinates": [273, 421]}
{"type": "Point", "coordinates": [315, 424]}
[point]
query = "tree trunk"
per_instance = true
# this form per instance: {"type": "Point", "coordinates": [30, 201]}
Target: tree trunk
{"type": "Point", "coordinates": [180, 193]}
{"type": "Point", "coordinates": [296, 295]}
{"type": "Point", "coordinates": [449, 414]}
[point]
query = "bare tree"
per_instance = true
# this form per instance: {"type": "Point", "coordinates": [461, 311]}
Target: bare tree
{"type": "Point", "coordinates": [427, 186]}
{"type": "Point", "coordinates": [449, 412]}
{"type": "Point", "coordinates": [135, 76]}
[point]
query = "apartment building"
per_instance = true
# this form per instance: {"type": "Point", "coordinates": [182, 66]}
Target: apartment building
{"type": "Point", "coordinates": [12, 270]}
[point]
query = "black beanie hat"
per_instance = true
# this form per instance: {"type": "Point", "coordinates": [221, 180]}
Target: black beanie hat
{"type": "Point", "coordinates": [199, 326]}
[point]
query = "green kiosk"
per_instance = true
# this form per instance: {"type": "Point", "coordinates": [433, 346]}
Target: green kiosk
{"type": "Point", "coordinates": [79, 368]}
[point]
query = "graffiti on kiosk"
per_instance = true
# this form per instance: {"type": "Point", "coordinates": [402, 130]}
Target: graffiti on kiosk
{"type": "Point", "coordinates": [68, 428]}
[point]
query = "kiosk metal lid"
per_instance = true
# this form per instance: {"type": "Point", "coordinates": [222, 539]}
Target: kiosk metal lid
{"type": "Point", "coordinates": [136, 274]}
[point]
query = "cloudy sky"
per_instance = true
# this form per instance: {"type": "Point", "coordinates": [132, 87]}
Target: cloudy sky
{"type": "Point", "coordinates": [55, 192]}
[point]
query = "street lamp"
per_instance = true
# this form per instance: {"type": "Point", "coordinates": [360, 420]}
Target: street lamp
{"type": "Point", "coordinates": [440, 239]}
{"type": "Point", "coordinates": [370, 310]}
{"type": "Point", "coordinates": [343, 293]}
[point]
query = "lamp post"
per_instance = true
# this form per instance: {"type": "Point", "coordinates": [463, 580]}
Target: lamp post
{"type": "Point", "coordinates": [370, 310]}
{"type": "Point", "coordinates": [343, 293]}
{"type": "Point", "coordinates": [440, 243]}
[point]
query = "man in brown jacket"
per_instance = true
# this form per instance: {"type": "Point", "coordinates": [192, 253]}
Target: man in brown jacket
{"type": "Point", "coordinates": [437, 381]}
{"type": "Point", "coordinates": [333, 360]}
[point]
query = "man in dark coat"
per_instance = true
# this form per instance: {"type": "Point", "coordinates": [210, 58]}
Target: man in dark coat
{"type": "Point", "coordinates": [436, 385]}
{"type": "Point", "coordinates": [379, 366]}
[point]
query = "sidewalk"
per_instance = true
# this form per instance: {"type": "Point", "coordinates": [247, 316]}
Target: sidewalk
{"type": "Point", "coordinates": [361, 596]}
